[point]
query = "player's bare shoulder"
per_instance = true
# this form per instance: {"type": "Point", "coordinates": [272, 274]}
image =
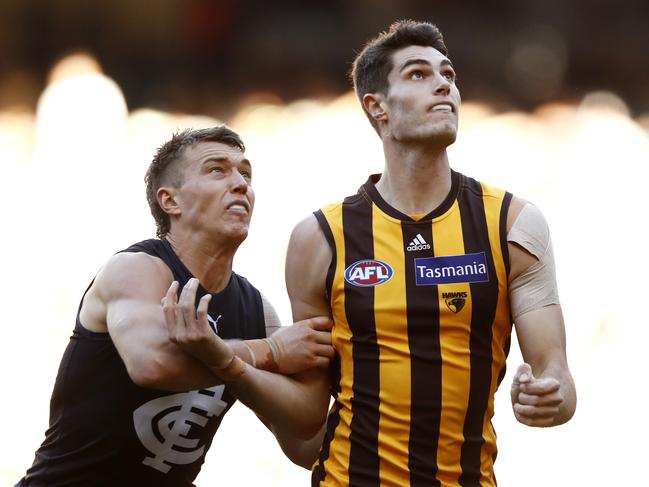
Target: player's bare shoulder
{"type": "Point", "coordinates": [515, 207]}
{"type": "Point", "coordinates": [307, 262]}
{"type": "Point", "coordinates": [308, 242]}
{"type": "Point", "coordinates": [126, 275]}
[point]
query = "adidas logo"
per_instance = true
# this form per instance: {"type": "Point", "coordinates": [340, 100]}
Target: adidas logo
{"type": "Point", "coordinates": [418, 243]}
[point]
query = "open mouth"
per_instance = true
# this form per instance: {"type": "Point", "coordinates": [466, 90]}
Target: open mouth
{"type": "Point", "coordinates": [443, 107]}
{"type": "Point", "coordinates": [239, 206]}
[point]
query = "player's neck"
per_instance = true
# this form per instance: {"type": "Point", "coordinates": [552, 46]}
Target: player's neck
{"type": "Point", "coordinates": [414, 181]}
{"type": "Point", "coordinates": [209, 262]}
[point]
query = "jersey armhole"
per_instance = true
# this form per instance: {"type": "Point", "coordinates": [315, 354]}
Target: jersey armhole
{"type": "Point", "coordinates": [329, 236]}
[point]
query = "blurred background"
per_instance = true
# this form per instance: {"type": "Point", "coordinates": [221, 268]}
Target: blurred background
{"type": "Point", "coordinates": [555, 109]}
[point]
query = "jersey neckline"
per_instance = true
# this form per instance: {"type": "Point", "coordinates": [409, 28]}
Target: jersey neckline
{"type": "Point", "coordinates": [369, 188]}
{"type": "Point", "coordinates": [188, 275]}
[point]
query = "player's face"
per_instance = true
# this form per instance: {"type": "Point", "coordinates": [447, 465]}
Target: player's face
{"type": "Point", "coordinates": [423, 101]}
{"type": "Point", "coordinates": [216, 194]}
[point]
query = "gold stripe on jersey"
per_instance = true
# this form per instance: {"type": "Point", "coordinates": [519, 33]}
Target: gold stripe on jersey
{"type": "Point", "coordinates": [394, 365]}
{"type": "Point", "coordinates": [418, 364]}
{"type": "Point", "coordinates": [454, 348]}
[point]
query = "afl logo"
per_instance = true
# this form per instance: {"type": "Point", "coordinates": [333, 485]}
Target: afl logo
{"type": "Point", "coordinates": [365, 273]}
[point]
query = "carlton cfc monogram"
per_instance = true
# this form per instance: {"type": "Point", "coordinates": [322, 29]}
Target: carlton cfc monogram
{"type": "Point", "coordinates": [172, 417]}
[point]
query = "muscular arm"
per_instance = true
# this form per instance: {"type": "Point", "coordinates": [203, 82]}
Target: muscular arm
{"type": "Point", "coordinates": [307, 261]}
{"type": "Point", "coordinates": [295, 406]}
{"type": "Point", "coordinates": [298, 347]}
{"type": "Point", "coordinates": [125, 301]}
{"type": "Point", "coordinates": [546, 391]}
{"type": "Point", "coordinates": [275, 398]}
{"type": "Point", "coordinates": [543, 392]}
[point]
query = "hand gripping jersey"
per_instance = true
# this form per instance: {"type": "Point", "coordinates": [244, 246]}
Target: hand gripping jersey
{"type": "Point", "coordinates": [107, 431]}
{"type": "Point", "coordinates": [422, 330]}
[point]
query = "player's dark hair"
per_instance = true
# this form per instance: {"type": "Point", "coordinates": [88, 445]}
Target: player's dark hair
{"type": "Point", "coordinates": [370, 69]}
{"type": "Point", "coordinates": [164, 169]}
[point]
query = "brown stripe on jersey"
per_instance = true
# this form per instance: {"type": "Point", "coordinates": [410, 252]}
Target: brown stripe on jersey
{"type": "Point", "coordinates": [329, 236]}
{"type": "Point", "coordinates": [319, 473]}
{"type": "Point", "coordinates": [425, 366]}
{"type": "Point", "coordinates": [504, 209]}
{"type": "Point", "coordinates": [363, 456]}
{"type": "Point", "coordinates": [484, 297]}
{"type": "Point", "coordinates": [505, 253]}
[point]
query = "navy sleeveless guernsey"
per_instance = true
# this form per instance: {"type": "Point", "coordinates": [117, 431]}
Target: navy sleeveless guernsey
{"type": "Point", "coordinates": [107, 431]}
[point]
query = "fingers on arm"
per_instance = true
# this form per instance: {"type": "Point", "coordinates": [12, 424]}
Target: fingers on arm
{"type": "Point", "coordinates": [539, 408]}
{"type": "Point", "coordinates": [325, 351]}
{"type": "Point", "coordinates": [320, 323]}
{"type": "Point", "coordinates": [169, 303]}
{"type": "Point", "coordinates": [187, 304]}
{"type": "Point", "coordinates": [533, 416]}
{"type": "Point", "coordinates": [201, 313]}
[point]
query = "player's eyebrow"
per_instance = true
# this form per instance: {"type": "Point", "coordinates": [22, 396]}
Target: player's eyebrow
{"type": "Point", "coordinates": [410, 62]}
{"type": "Point", "coordinates": [225, 159]}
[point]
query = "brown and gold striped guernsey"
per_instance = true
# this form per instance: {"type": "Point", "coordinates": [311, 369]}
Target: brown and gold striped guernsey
{"type": "Point", "coordinates": [422, 330]}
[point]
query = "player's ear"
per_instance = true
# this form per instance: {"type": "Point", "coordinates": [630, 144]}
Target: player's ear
{"type": "Point", "coordinates": [374, 104]}
{"type": "Point", "coordinates": [168, 200]}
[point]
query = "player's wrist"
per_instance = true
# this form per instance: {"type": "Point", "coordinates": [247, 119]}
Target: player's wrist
{"type": "Point", "coordinates": [263, 354]}
{"type": "Point", "coordinates": [232, 371]}
{"type": "Point", "coordinates": [274, 349]}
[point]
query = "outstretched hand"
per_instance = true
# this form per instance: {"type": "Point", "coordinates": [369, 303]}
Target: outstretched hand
{"type": "Point", "coordinates": [302, 346]}
{"type": "Point", "coordinates": [535, 401]}
{"type": "Point", "coordinates": [188, 327]}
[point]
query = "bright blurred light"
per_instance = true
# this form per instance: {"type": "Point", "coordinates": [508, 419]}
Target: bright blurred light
{"type": "Point", "coordinates": [604, 102]}
{"type": "Point", "coordinates": [74, 66]}
{"type": "Point", "coordinates": [16, 138]}
{"type": "Point", "coordinates": [75, 173]}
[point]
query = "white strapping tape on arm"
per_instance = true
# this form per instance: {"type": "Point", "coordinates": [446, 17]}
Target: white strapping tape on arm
{"type": "Point", "coordinates": [536, 287]}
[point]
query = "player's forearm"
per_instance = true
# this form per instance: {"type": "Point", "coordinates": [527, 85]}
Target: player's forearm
{"type": "Point", "coordinates": [290, 405]}
{"type": "Point", "coordinates": [170, 370]}
{"type": "Point", "coordinates": [301, 452]}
